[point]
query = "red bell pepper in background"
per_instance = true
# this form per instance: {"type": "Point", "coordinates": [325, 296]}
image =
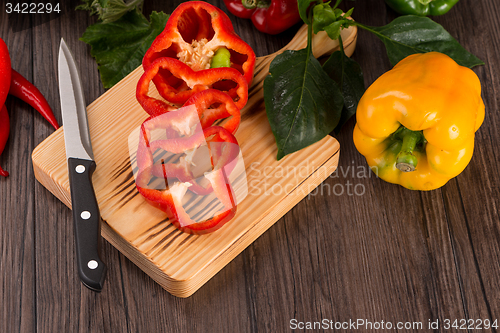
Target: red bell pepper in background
{"type": "Point", "coordinates": [184, 83]}
{"type": "Point", "coordinates": [169, 200]}
{"type": "Point", "coordinates": [5, 72]}
{"type": "Point", "coordinates": [4, 134]}
{"type": "Point", "coordinates": [268, 16]}
{"type": "Point", "coordinates": [193, 33]}
{"type": "Point", "coordinates": [5, 75]}
{"type": "Point", "coordinates": [26, 91]}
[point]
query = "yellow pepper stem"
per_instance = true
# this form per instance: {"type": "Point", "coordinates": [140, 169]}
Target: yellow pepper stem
{"type": "Point", "coordinates": [406, 161]}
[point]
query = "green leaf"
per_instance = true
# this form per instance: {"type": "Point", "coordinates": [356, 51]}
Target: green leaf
{"type": "Point", "coordinates": [349, 12]}
{"type": "Point", "coordinates": [333, 30]}
{"type": "Point", "coordinates": [414, 34]}
{"type": "Point", "coordinates": [338, 12]}
{"type": "Point", "coordinates": [119, 47]}
{"type": "Point", "coordinates": [303, 104]}
{"type": "Point", "coordinates": [323, 16]}
{"type": "Point", "coordinates": [110, 10]}
{"type": "Point", "coordinates": [347, 73]}
{"type": "Point", "coordinates": [303, 9]}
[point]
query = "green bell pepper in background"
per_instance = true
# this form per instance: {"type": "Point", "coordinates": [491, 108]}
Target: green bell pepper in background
{"type": "Point", "coordinates": [421, 7]}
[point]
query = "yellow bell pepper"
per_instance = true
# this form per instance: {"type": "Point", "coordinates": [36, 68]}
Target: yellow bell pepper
{"type": "Point", "coordinates": [416, 123]}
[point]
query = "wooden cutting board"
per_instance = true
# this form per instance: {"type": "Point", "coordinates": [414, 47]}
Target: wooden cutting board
{"type": "Point", "coordinates": [179, 262]}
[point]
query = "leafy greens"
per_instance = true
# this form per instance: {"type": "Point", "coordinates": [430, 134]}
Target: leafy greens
{"type": "Point", "coordinates": [119, 42]}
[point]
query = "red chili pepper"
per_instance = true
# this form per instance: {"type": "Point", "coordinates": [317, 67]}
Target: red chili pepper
{"type": "Point", "coordinates": [15, 84]}
{"type": "Point", "coordinates": [192, 35]}
{"type": "Point", "coordinates": [170, 199]}
{"type": "Point", "coordinates": [268, 16]}
{"type": "Point", "coordinates": [26, 91]}
{"type": "Point", "coordinates": [4, 134]}
{"type": "Point", "coordinates": [187, 83]}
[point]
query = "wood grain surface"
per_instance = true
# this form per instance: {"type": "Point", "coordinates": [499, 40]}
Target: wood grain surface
{"type": "Point", "coordinates": [389, 254]}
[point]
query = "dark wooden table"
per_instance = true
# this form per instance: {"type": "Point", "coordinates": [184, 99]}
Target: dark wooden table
{"type": "Point", "coordinates": [389, 255]}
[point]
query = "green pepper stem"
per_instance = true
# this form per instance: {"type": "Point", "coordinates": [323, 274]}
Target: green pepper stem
{"type": "Point", "coordinates": [252, 4]}
{"type": "Point", "coordinates": [222, 58]}
{"type": "Point", "coordinates": [249, 4]}
{"type": "Point", "coordinates": [406, 161]}
{"type": "Point", "coordinates": [425, 2]}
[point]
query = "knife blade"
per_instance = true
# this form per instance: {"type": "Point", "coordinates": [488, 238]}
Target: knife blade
{"type": "Point", "coordinates": [81, 166]}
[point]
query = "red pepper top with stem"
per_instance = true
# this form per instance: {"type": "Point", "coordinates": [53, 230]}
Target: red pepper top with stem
{"type": "Point", "coordinates": [192, 35]}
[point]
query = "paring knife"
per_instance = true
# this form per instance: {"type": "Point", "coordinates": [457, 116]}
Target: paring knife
{"type": "Point", "coordinates": [81, 166]}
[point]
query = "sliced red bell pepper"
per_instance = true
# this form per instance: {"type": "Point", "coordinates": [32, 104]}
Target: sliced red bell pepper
{"type": "Point", "coordinates": [169, 200]}
{"type": "Point", "coordinates": [268, 16]}
{"type": "Point", "coordinates": [192, 35]}
{"type": "Point", "coordinates": [183, 83]}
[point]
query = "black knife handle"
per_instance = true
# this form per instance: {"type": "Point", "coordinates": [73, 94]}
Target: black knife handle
{"type": "Point", "coordinates": [87, 223]}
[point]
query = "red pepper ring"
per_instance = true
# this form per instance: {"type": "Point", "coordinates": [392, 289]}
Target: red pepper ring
{"type": "Point", "coordinates": [179, 145]}
{"type": "Point", "coordinates": [220, 158]}
{"type": "Point", "coordinates": [194, 31]}
{"type": "Point", "coordinates": [226, 108]}
{"type": "Point", "coordinates": [182, 173]}
{"type": "Point", "coordinates": [177, 123]}
{"type": "Point", "coordinates": [212, 105]}
{"type": "Point", "coordinates": [170, 200]}
{"type": "Point", "coordinates": [194, 81]}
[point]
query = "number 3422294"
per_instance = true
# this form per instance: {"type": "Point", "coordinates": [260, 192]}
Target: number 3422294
{"type": "Point", "coordinates": [31, 8]}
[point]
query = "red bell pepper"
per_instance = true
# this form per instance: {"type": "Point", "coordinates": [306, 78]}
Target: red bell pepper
{"type": "Point", "coordinates": [169, 200]}
{"type": "Point", "coordinates": [192, 35]}
{"type": "Point", "coordinates": [4, 134]}
{"type": "Point", "coordinates": [5, 74]}
{"type": "Point", "coordinates": [183, 83]}
{"type": "Point", "coordinates": [268, 16]}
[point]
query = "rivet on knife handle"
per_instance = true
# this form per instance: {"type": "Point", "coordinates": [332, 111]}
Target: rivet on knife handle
{"type": "Point", "coordinates": [87, 221]}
